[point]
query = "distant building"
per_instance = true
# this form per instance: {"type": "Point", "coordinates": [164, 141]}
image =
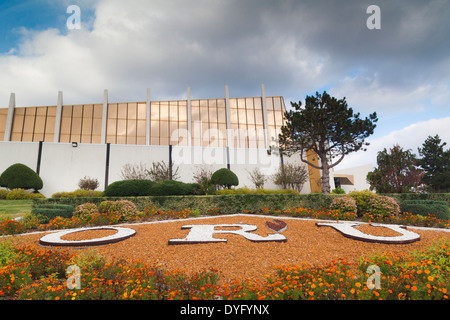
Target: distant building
{"type": "Point", "coordinates": [352, 179]}
{"type": "Point", "coordinates": [65, 143]}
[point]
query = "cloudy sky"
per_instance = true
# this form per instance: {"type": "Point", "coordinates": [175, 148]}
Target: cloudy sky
{"type": "Point", "coordinates": [401, 71]}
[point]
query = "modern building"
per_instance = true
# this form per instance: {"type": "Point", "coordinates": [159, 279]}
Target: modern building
{"type": "Point", "coordinates": [65, 143]}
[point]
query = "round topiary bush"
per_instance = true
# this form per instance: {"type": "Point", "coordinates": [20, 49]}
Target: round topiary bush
{"type": "Point", "coordinates": [19, 176]}
{"type": "Point", "coordinates": [124, 208]}
{"type": "Point", "coordinates": [85, 210]}
{"type": "Point", "coordinates": [129, 188]}
{"type": "Point", "coordinates": [224, 178]}
{"type": "Point", "coordinates": [383, 206]}
{"type": "Point", "coordinates": [362, 199]}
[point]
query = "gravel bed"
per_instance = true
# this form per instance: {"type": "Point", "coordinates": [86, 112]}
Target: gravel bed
{"type": "Point", "coordinates": [240, 258]}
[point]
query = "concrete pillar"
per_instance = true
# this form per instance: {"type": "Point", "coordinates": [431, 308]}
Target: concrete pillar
{"type": "Point", "coordinates": [104, 116]}
{"type": "Point", "coordinates": [189, 117]}
{"type": "Point", "coordinates": [264, 110]}
{"type": "Point", "coordinates": [147, 121]}
{"type": "Point", "coordinates": [227, 112]}
{"type": "Point", "coordinates": [10, 117]}
{"type": "Point", "coordinates": [59, 105]}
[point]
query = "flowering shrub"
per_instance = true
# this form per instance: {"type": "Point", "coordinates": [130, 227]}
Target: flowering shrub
{"type": "Point", "coordinates": [344, 204]}
{"type": "Point", "coordinates": [86, 210]}
{"type": "Point", "coordinates": [383, 206]}
{"type": "Point", "coordinates": [124, 208]}
{"type": "Point", "coordinates": [38, 274]}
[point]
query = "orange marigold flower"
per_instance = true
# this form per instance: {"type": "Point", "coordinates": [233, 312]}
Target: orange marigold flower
{"type": "Point", "coordinates": [413, 288]}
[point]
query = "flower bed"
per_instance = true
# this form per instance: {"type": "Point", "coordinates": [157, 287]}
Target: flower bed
{"type": "Point", "coordinates": [33, 273]}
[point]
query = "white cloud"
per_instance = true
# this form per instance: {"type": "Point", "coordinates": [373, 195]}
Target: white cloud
{"type": "Point", "coordinates": [410, 137]}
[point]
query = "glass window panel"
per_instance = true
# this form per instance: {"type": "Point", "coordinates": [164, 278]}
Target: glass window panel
{"type": "Point", "coordinates": [233, 103]}
{"type": "Point", "coordinates": [164, 129]}
{"type": "Point", "coordinates": [122, 111]}
{"type": "Point", "coordinates": [112, 110]}
{"type": "Point", "coordinates": [270, 118]}
{"type": "Point", "coordinates": [142, 111]}
{"type": "Point", "coordinates": [121, 129]}
{"type": "Point", "coordinates": [277, 103]}
{"type": "Point", "coordinates": [75, 134]}
{"type": "Point", "coordinates": [233, 116]}
{"type": "Point", "coordinates": [259, 117]}
{"type": "Point", "coordinates": [132, 110]}
{"type": "Point", "coordinates": [18, 124]}
{"type": "Point", "coordinates": [121, 140]}
{"type": "Point", "coordinates": [242, 116]}
{"type": "Point", "coordinates": [163, 141]}
{"type": "Point", "coordinates": [140, 140]}
{"type": "Point", "coordinates": [141, 130]}
{"type": "Point", "coordinates": [269, 103]}
{"type": "Point", "coordinates": [195, 114]}
{"type": "Point", "coordinates": [257, 103]}
{"type": "Point", "coordinates": [182, 113]}
{"type": "Point", "coordinates": [66, 123]}
{"type": "Point", "coordinates": [98, 111]}
{"type": "Point", "coordinates": [39, 128]}
{"type": "Point", "coordinates": [278, 118]}
{"type": "Point", "coordinates": [250, 116]}
{"type": "Point", "coordinates": [221, 115]}
{"type": "Point", "coordinates": [111, 127]}
{"type": "Point", "coordinates": [96, 139]}
{"type": "Point", "coordinates": [154, 111]}
{"type": "Point", "coordinates": [241, 103]}
{"type": "Point", "coordinates": [16, 136]}
{"type": "Point", "coordinates": [249, 103]}
{"type": "Point", "coordinates": [212, 114]}
{"type": "Point", "coordinates": [173, 111]}
{"type": "Point", "coordinates": [204, 114]}
{"type": "Point", "coordinates": [131, 131]}
{"type": "Point", "coordinates": [97, 127]}
{"type": "Point", "coordinates": [164, 110]}
{"type": "Point", "coordinates": [64, 138]}
{"type": "Point", "coordinates": [77, 111]}
{"type": "Point", "coordinates": [220, 103]}
{"type": "Point", "coordinates": [154, 141]}
{"type": "Point", "coordinates": [154, 127]}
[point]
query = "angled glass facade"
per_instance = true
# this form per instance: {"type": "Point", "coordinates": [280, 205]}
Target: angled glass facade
{"type": "Point", "coordinates": [167, 121]}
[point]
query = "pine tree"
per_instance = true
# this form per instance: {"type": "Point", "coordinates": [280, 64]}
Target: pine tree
{"type": "Point", "coordinates": [436, 163]}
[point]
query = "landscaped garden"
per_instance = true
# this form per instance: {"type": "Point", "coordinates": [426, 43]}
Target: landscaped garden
{"type": "Point", "coordinates": [314, 262]}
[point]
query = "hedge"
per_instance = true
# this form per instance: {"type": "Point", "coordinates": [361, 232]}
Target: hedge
{"type": "Point", "coordinates": [51, 210]}
{"type": "Point", "coordinates": [224, 203]}
{"type": "Point", "coordinates": [440, 209]}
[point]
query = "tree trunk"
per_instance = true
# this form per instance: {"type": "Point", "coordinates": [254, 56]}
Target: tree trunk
{"type": "Point", "coordinates": [325, 175]}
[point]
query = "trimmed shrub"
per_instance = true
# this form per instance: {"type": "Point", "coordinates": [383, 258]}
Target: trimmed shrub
{"type": "Point", "coordinates": [256, 191]}
{"type": "Point", "coordinates": [79, 193]}
{"type": "Point", "coordinates": [19, 176]}
{"type": "Point", "coordinates": [54, 210]}
{"type": "Point", "coordinates": [127, 188]}
{"type": "Point", "coordinates": [22, 194]}
{"type": "Point", "coordinates": [88, 183]}
{"type": "Point", "coordinates": [225, 178]}
{"type": "Point", "coordinates": [344, 204]}
{"type": "Point", "coordinates": [362, 199]}
{"type": "Point", "coordinates": [439, 209]}
{"type": "Point", "coordinates": [172, 188]}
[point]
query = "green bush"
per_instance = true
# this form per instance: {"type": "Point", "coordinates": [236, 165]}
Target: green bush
{"type": "Point", "coordinates": [225, 178]}
{"type": "Point", "coordinates": [440, 209]}
{"type": "Point", "coordinates": [54, 210]}
{"type": "Point", "coordinates": [127, 188]}
{"type": "Point", "coordinates": [79, 193]}
{"type": "Point", "coordinates": [20, 194]}
{"type": "Point", "coordinates": [172, 188]}
{"type": "Point", "coordinates": [19, 176]}
{"type": "Point", "coordinates": [256, 191]}
{"type": "Point", "coordinates": [362, 199]}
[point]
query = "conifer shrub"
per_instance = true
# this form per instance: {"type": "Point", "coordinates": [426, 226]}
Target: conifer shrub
{"type": "Point", "coordinates": [224, 178]}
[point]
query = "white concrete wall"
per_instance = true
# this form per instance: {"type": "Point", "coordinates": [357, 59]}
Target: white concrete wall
{"type": "Point", "coordinates": [62, 166]}
{"type": "Point", "coordinates": [359, 173]}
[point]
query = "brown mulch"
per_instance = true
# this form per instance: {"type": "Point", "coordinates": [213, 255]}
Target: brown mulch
{"type": "Point", "coordinates": [240, 258]}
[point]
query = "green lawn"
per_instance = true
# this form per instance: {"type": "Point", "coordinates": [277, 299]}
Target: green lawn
{"type": "Point", "coordinates": [15, 208]}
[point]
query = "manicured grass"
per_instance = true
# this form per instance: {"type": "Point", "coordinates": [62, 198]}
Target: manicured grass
{"type": "Point", "coordinates": [15, 208]}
